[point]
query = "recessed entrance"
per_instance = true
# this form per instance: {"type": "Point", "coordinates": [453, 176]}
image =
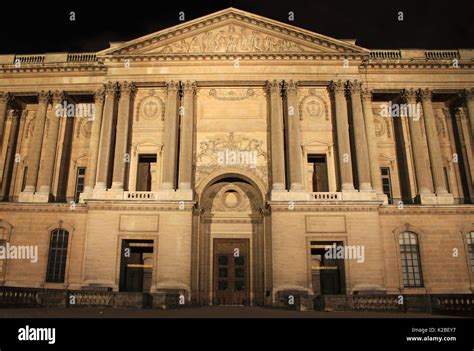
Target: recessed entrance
{"type": "Point", "coordinates": [230, 243]}
{"type": "Point", "coordinates": [231, 272]}
{"type": "Point", "coordinates": [136, 265]}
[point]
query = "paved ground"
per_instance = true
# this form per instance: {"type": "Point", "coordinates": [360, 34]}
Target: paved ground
{"type": "Point", "coordinates": [195, 312]}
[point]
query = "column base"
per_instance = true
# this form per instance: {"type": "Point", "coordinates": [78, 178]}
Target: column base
{"type": "Point", "coordinates": [444, 199]}
{"type": "Point", "coordinates": [354, 195]}
{"type": "Point", "coordinates": [283, 195]}
{"type": "Point", "coordinates": [426, 199]}
{"type": "Point", "coordinates": [38, 197]}
{"type": "Point", "coordinates": [176, 195]}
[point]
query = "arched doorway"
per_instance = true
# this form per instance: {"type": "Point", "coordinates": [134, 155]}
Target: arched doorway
{"type": "Point", "coordinates": [229, 243]}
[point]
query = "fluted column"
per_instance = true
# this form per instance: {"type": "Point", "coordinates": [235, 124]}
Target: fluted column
{"type": "Point", "coordinates": [106, 136]}
{"type": "Point", "coordinates": [343, 139]}
{"type": "Point", "coordinates": [469, 96]}
{"type": "Point", "coordinates": [362, 153]}
{"type": "Point", "coordinates": [294, 140]}
{"type": "Point", "coordinates": [170, 137]}
{"type": "Point", "coordinates": [121, 139]}
{"type": "Point", "coordinates": [35, 147]}
{"type": "Point", "coordinates": [50, 144]}
{"type": "Point", "coordinates": [419, 158]}
{"type": "Point", "coordinates": [277, 139]}
{"type": "Point", "coordinates": [375, 175]}
{"type": "Point", "coordinates": [10, 155]}
{"type": "Point", "coordinates": [186, 138]}
{"type": "Point", "coordinates": [91, 172]}
{"type": "Point", "coordinates": [434, 148]}
{"type": "Point", "coordinates": [5, 98]}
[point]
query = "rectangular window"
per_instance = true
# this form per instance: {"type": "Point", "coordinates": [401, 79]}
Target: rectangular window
{"type": "Point", "coordinates": [57, 256]}
{"type": "Point", "coordinates": [470, 249]}
{"type": "Point", "coordinates": [320, 173]}
{"type": "Point", "coordinates": [144, 172]}
{"type": "Point", "coordinates": [80, 180]}
{"type": "Point", "coordinates": [410, 256]}
{"type": "Point", "coordinates": [387, 183]}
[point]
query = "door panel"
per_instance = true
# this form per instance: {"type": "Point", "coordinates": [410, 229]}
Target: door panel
{"type": "Point", "coordinates": [231, 272]}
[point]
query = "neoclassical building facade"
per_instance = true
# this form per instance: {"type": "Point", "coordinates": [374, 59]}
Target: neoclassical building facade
{"type": "Point", "coordinates": [237, 160]}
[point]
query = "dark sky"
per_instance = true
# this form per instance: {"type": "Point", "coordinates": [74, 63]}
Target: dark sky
{"type": "Point", "coordinates": [45, 26]}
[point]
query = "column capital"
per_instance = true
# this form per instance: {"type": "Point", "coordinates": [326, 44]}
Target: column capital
{"type": "Point", "coordinates": [5, 97]}
{"type": "Point", "coordinates": [58, 97]}
{"type": "Point", "coordinates": [291, 87]}
{"type": "Point", "coordinates": [172, 86]}
{"type": "Point", "coordinates": [13, 114]}
{"type": "Point", "coordinates": [272, 87]}
{"type": "Point", "coordinates": [44, 97]}
{"type": "Point", "coordinates": [409, 95]}
{"type": "Point", "coordinates": [189, 87]}
{"type": "Point", "coordinates": [425, 94]}
{"type": "Point", "coordinates": [366, 94]}
{"type": "Point", "coordinates": [127, 88]}
{"type": "Point", "coordinates": [110, 88]}
{"type": "Point", "coordinates": [354, 87]}
{"type": "Point", "coordinates": [468, 94]}
{"type": "Point", "coordinates": [99, 94]}
{"type": "Point", "coordinates": [336, 87]}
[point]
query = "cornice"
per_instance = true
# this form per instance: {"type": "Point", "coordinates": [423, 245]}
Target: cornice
{"type": "Point", "coordinates": [40, 68]}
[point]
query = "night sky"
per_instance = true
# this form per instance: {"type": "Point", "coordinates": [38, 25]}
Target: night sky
{"type": "Point", "coordinates": [45, 26]}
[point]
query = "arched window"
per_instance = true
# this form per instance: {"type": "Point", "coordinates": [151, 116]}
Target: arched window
{"type": "Point", "coordinates": [410, 257]}
{"type": "Point", "coordinates": [470, 249]}
{"type": "Point", "coordinates": [57, 256]}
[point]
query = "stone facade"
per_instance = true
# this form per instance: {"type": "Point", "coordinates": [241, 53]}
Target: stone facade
{"type": "Point", "coordinates": [231, 108]}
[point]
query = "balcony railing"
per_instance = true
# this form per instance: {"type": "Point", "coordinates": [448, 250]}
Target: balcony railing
{"type": "Point", "coordinates": [139, 195]}
{"type": "Point", "coordinates": [441, 54]}
{"type": "Point", "coordinates": [326, 196]}
{"type": "Point", "coordinates": [385, 54]}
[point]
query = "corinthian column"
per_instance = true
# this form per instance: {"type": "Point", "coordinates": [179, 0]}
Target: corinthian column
{"type": "Point", "coordinates": [50, 144]}
{"type": "Point", "coordinates": [433, 142]}
{"type": "Point", "coordinates": [106, 136]}
{"type": "Point", "coordinates": [375, 176]}
{"type": "Point", "coordinates": [419, 158]}
{"type": "Point", "coordinates": [469, 96]}
{"type": "Point", "coordinates": [91, 171]}
{"type": "Point", "coordinates": [36, 141]}
{"type": "Point", "coordinates": [363, 168]}
{"type": "Point", "coordinates": [121, 140]}
{"type": "Point", "coordinates": [277, 140]}
{"type": "Point", "coordinates": [343, 141]}
{"type": "Point", "coordinates": [5, 98]}
{"type": "Point", "coordinates": [170, 138]}
{"type": "Point", "coordinates": [293, 140]}
{"type": "Point", "coordinates": [186, 139]}
{"type": "Point", "coordinates": [14, 117]}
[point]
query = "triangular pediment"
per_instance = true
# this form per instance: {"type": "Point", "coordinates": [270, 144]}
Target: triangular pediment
{"type": "Point", "coordinates": [233, 31]}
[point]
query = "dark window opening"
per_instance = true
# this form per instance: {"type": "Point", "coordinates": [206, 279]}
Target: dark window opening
{"type": "Point", "coordinates": [446, 179]}
{"type": "Point", "coordinates": [57, 256]}
{"type": "Point", "coordinates": [327, 271]}
{"type": "Point", "coordinates": [80, 181]}
{"type": "Point", "coordinates": [387, 183]}
{"type": "Point", "coordinates": [136, 265]}
{"type": "Point", "coordinates": [470, 249]}
{"type": "Point", "coordinates": [144, 179]}
{"type": "Point", "coordinates": [320, 173]}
